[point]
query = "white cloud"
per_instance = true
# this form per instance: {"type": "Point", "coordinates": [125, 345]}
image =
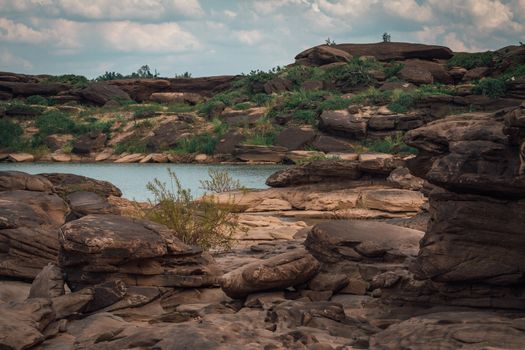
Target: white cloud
{"type": "Point", "coordinates": [7, 59]}
{"type": "Point", "coordinates": [129, 36]}
{"type": "Point", "coordinates": [230, 14]}
{"type": "Point", "coordinates": [249, 37]}
{"type": "Point", "coordinates": [143, 10]}
{"type": "Point", "coordinates": [19, 32]}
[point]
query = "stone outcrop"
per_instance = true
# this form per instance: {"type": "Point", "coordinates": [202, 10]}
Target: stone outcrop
{"type": "Point", "coordinates": [29, 220]}
{"type": "Point", "coordinates": [65, 184]}
{"type": "Point", "coordinates": [343, 124]}
{"type": "Point", "coordinates": [388, 51]}
{"type": "Point", "coordinates": [101, 248]}
{"type": "Point", "coordinates": [102, 93]}
{"type": "Point", "coordinates": [471, 252]}
{"type": "Point", "coordinates": [88, 143]}
{"type": "Point", "coordinates": [255, 153]}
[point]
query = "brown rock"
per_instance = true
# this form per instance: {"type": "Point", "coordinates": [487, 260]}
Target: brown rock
{"type": "Point", "coordinates": [343, 123]}
{"type": "Point", "coordinates": [282, 271]}
{"type": "Point", "coordinates": [295, 138]}
{"type": "Point", "coordinates": [101, 93]}
{"type": "Point", "coordinates": [88, 143]}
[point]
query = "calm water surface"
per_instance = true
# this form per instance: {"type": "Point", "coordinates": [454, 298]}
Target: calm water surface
{"type": "Point", "coordinates": [132, 178]}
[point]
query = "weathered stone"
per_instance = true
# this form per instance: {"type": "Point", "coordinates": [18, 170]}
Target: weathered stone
{"type": "Point", "coordinates": [316, 171]}
{"type": "Point", "coordinates": [49, 283]}
{"type": "Point", "coordinates": [91, 142]}
{"type": "Point", "coordinates": [99, 248]}
{"type": "Point", "coordinates": [253, 153]}
{"type": "Point", "coordinates": [21, 157]}
{"type": "Point", "coordinates": [333, 241]}
{"type": "Point", "coordinates": [295, 138]}
{"type": "Point", "coordinates": [282, 271]}
{"type": "Point", "coordinates": [65, 184]}
{"type": "Point", "coordinates": [101, 93]}
{"type": "Point", "coordinates": [343, 123]}
{"type": "Point", "coordinates": [176, 97]}
{"type": "Point", "coordinates": [17, 180]}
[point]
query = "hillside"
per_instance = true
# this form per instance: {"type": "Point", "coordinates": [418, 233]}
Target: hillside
{"type": "Point", "coordinates": [344, 98]}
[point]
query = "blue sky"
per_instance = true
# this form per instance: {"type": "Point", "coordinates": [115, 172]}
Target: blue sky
{"type": "Point", "coordinates": [212, 37]}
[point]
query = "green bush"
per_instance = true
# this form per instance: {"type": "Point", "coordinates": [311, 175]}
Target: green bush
{"type": "Point", "coordinates": [55, 122]}
{"type": "Point", "coordinates": [306, 116]}
{"type": "Point", "coordinates": [10, 133]}
{"type": "Point", "coordinates": [201, 143]}
{"type": "Point", "coordinates": [220, 128]}
{"type": "Point", "coordinates": [391, 70]}
{"type": "Point", "coordinates": [205, 223]}
{"type": "Point", "coordinates": [242, 106]}
{"type": "Point", "coordinates": [130, 146]}
{"type": "Point", "coordinates": [492, 87]}
{"type": "Point", "coordinates": [220, 181]}
{"type": "Point", "coordinates": [401, 101]}
{"type": "Point", "coordinates": [78, 81]}
{"type": "Point", "coordinates": [37, 100]}
{"type": "Point", "coordinates": [180, 108]}
{"type": "Point", "coordinates": [261, 99]}
{"type": "Point", "coordinates": [335, 103]}
{"type": "Point", "coordinates": [299, 74]}
{"type": "Point", "coordinates": [21, 109]}
{"type": "Point", "coordinates": [472, 60]}
{"type": "Point", "coordinates": [355, 73]}
{"type": "Point", "coordinates": [391, 144]}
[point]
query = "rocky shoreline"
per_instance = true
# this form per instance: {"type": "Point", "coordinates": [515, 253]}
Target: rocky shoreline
{"type": "Point", "coordinates": [78, 273]}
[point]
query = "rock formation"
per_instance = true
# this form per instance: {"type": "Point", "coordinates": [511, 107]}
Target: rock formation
{"type": "Point", "coordinates": [472, 250]}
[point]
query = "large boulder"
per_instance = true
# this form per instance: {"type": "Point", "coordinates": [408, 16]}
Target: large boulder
{"type": "Point", "coordinates": [359, 240]}
{"type": "Point", "coordinates": [324, 54]}
{"type": "Point", "coordinates": [279, 272]}
{"type": "Point", "coordinates": [469, 152]}
{"type": "Point", "coordinates": [90, 142]}
{"type": "Point", "coordinates": [294, 138]}
{"type": "Point", "coordinates": [167, 135]}
{"type": "Point", "coordinates": [229, 142]}
{"type": "Point", "coordinates": [101, 248]}
{"type": "Point", "coordinates": [343, 123]}
{"type": "Point", "coordinates": [256, 153]}
{"type": "Point", "coordinates": [17, 180]}
{"type": "Point", "coordinates": [316, 171]}
{"type": "Point", "coordinates": [30, 89]}
{"type": "Point", "coordinates": [65, 184]}
{"type": "Point", "coordinates": [325, 143]}
{"type": "Point", "coordinates": [101, 93]}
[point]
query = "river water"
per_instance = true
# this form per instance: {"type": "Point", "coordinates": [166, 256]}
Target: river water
{"type": "Point", "coordinates": [132, 178]}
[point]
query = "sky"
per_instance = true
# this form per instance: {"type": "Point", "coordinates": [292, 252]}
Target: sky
{"type": "Point", "coordinates": [215, 37]}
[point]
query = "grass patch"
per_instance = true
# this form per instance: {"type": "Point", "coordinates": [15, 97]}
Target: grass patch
{"type": "Point", "coordinates": [37, 100]}
{"type": "Point", "coordinates": [392, 145]}
{"type": "Point", "coordinates": [472, 60]}
{"type": "Point", "coordinates": [263, 134]}
{"type": "Point", "coordinates": [491, 87]}
{"type": "Point", "coordinates": [201, 143]}
{"type": "Point", "coordinates": [131, 146]}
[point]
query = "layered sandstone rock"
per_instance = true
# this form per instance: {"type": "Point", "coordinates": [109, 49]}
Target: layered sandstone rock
{"type": "Point", "coordinates": [100, 248]}
{"type": "Point", "coordinates": [472, 252]}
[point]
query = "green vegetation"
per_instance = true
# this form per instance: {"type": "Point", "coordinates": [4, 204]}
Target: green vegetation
{"type": "Point", "coordinates": [391, 70]}
{"type": "Point", "coordinates": [220, 181]}
{"type": "Point", "coordinates": [355, 73]}
{"type": "Point", "coordinates": [242, 106]}
{"type": "Point", "coordinates": [391, 144]}
{"type": "Point", "coordinates": [78, 81]}
{"type": "Point", "coordinates": [329, 42]}
{"type": "Point", "coordinates": [386, 37]}
{"type": "Point", "coordinates": [472, 60]}
{"type": "Point", "coordinates": [179, 108]}
{"type": "Point", "coordinates": [130, 146]}
{"type": "Point", "coordinates": [201, 143]}
{"type": "Point", "coordinates": [55, 122]}
{"type": "Point", "coordinates": [9, 134]}
{"type": "Point", "coordinates": [37, 100]}
{"type": "Point", "coordinates": [320, 156]}
{"type": "Point", "coordinates": [143, 72]}
{"type": "Point", "coordinates": [492, 87]}
{"type": "Point", "coordinates": [205, 223]}
{"type": "Point", "coordinates": [263, 134]}
{"type": "Point", "coordinates": [185, 75]}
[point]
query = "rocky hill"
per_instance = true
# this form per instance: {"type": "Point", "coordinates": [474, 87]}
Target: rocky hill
{"type": "Point", "coordinates": [335, 99]}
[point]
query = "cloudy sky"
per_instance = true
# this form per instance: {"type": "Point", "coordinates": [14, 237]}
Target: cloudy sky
{"type": "Point", "coordinates": [211, 37]}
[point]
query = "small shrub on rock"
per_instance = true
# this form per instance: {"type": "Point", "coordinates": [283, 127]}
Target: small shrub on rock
{"type": "Point", "coordinates": [9, 133]}
{"type": "Point", "coordinates": [37, 100]}
{"type": "Point", "coordinates": [55, 122]}
{"type": "Point", "coordinates": [472, 60]}
{"type": "Point", "coordinates": [220, 181]}
{"type": "Point", "coordinates": [492, 87]}
{"type": "Point", "coordinates": [204, 223]}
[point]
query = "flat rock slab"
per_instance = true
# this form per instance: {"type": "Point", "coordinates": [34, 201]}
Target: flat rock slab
{"type": "Point", "coordinates": [453, 330]}
{"type": "Point", "coordinates": [356, 240]}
